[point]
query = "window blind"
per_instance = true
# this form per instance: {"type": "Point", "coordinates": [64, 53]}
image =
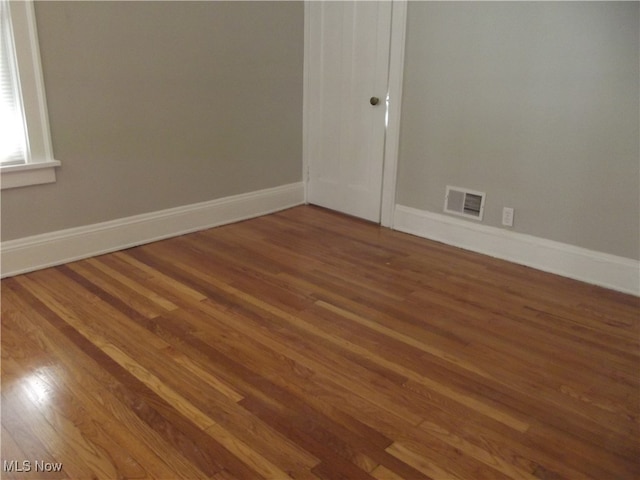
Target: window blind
{"type": "Point", "coordinates": [13, 149]}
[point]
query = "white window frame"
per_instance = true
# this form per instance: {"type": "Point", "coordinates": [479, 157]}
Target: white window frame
{"type": "Point", "coordinates": [40, 164]}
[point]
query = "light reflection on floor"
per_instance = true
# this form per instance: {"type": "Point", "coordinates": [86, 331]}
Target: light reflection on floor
{"type": "Point", "coordinates": [37, 389]}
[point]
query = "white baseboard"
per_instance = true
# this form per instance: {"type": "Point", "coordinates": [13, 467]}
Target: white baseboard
{"type": "Point", "coordinates": [40, 251]}
{"type": "Point", "coordinates": [610, 271]}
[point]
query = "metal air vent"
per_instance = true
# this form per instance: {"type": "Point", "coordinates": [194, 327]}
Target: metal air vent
{"type": "Point", "coordinates": [464, 202]}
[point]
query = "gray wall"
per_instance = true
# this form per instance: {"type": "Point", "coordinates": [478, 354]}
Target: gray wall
{"type": "Point", "coordinates": [157, 105]}
{"type": "Point", "coordinates": [154, 105]}
{"type": "Point", "coordinates": [535, 104]}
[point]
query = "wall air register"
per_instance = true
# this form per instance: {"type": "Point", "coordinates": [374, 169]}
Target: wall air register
{"type": "Point", "coordinates": [464, 202]}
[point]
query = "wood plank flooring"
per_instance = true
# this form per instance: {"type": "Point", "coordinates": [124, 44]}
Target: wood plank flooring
{"type": "Point", "coordinates": [307, 344]}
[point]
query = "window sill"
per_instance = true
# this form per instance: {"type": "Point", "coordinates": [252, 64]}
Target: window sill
{"type": "Point", "coordinates": [13, 176]}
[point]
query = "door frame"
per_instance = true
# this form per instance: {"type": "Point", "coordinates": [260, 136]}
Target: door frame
{"type": "Point", "coordinates": [393, 105]}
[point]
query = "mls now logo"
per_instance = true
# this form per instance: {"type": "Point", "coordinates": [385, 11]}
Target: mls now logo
{"type": "Point", "coordinates": [16, 466]}
{"type": "Point", "coordinates": [27, 466]}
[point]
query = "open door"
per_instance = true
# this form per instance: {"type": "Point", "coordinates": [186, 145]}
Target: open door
{"type": "Point", "coordinates": [346, 93]}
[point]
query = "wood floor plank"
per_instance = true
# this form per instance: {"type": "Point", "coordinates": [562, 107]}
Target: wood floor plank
{"type": "Point", "coordinates": [192, 442]}
{"type": "Point", "coordinates": [418, 461]}
{"type": "Point", "coordinates": [612, 413]}
{"type": "Point", "coordinates": [118, 422]}
{"type": "Point", "coordinates": [297, 321]}
{"type": "Point", "coordinates": [136, 300]}
{"type": "Point", "coordinates": [28, 423]}
{"type": "Point", "coordinates": [183, 406]}
{"type": "Point", "coordinates": [308, 344]}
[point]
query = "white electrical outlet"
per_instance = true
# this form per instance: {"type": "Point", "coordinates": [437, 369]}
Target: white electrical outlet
{"type": "Point", "coordinates": [507, 217]}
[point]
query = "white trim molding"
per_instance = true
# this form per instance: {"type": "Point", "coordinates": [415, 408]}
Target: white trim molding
{"type": "Point", "coordinates": [306, 113]}
{"type": "Point", "coordinates": [12, 176]}
{"type": "Point", "coordinates": [40, 165]}
{"type": "Point", "coordinates": [55, 248]}
{"type": "Point", "coordinates": [610, 271]}
{"type": "Point", "coordinates": [394, 107]}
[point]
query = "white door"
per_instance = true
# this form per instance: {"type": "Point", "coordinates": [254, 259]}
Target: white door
{"type": "Point", "coordinates": [347, 71]}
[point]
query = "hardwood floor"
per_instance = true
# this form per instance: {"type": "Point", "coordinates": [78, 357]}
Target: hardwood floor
{"type": "Point", "coordinates": [312, 345]}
